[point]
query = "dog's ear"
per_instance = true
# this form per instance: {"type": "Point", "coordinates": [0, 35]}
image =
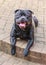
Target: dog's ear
{"type": "Point", "coordinates": [30, 11]}
{"type": "Point", "coordinates": [16, 10]}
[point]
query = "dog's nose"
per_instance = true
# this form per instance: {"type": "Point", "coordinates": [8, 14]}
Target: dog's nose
{"type": "Point", "coordinates": [22, 19]}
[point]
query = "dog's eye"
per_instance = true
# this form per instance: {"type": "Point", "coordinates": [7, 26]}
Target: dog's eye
{"type": "Point", "coordinates": [18, 16]}
{"type": "Point", "coordinates": [28, 17]}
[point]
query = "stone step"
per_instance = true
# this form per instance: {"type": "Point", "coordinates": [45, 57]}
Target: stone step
{"type": "Point", "coordinates": [6, 59]}
{"type": "Point", "coordinates": [37, 52]}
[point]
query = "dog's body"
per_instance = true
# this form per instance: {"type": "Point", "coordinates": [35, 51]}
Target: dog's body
{"type": "Point", "coordinates": [23, 29]}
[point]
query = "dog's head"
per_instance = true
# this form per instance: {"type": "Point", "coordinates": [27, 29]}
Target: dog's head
{"type": "Point", "coordinates": [23, 18]}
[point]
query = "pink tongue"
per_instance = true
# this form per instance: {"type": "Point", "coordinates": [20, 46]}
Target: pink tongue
{"type": "Point", "coordinates": [22, 25]}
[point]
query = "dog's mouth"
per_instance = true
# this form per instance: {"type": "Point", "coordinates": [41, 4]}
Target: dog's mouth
{"type": "Point", "coordinates": [23, 24]}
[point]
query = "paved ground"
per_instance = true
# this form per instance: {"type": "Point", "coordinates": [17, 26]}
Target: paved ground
{"type": "Point", "coordinates": [6, 59]}
{"type": "Point", "coordinates": [7, 8]}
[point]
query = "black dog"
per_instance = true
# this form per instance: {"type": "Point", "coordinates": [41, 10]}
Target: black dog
{"type": "Point", "coordinates": [23, 29]}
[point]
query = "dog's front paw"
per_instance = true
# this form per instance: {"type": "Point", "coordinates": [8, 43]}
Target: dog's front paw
{"type": "Point", "coordinates": [13, 51]}
{"type": "Point", "coordinates": [25, 52]}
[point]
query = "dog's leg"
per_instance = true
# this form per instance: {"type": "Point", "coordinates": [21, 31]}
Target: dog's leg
{"type": "Point", "coordinates": [13, 48]}
{"type": "Point", "coordinates": [30, 42]}
{"type": "Point", "coordinates": [13, 40]}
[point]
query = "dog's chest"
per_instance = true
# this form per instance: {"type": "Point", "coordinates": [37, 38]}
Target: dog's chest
{"type": "Point", "coordinates": [23, 34]}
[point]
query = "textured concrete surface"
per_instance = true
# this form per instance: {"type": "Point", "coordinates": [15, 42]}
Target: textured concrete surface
{"type": "Point", "coordinates": [7, 8]}
{"type": "Point", "coordinates": [6, 59]}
